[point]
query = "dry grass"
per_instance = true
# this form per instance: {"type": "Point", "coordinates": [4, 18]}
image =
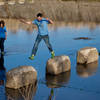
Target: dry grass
{"type": "Point", "coordinates": [83, 0]}
{"type": "Point", "coordinates": [58, 10]}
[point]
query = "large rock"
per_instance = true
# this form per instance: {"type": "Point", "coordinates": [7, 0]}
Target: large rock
{"type": "Point", "coordinates": [87, 55]}
{"type": "Point", "coordinates": [58, 64]}
{"type": "Point", "coordinates": [21, 76]}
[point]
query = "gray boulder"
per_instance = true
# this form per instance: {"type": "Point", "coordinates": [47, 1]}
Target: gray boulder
{"type": "Point", "coordinates": [87, 55]}
{"type": "Point", "coordinates": [58, 64]}
{"type": "Point", "coordinates": [21, 76]}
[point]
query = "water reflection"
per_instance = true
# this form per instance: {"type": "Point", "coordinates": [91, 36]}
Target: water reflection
{"type": "Point", "coordinates": [87, 70]}
{"type": "Point", "coordinates": [57, 81]}
{"type": "Point", "coordinates": [64, 34]}
{"type": "Point", "coordinates": [2, 70]}
{"type": "Point", "coordinates": [50, 97]}
{"type": "Point", "coordinates": [24, 93]}
{"type": "Point", "coordinates": [2, 78]}
{"type": "Point", "coordinates": [14, 25]}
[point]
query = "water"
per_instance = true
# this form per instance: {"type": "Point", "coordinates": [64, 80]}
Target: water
{"type": "Point", "coordinates": [79, 84]}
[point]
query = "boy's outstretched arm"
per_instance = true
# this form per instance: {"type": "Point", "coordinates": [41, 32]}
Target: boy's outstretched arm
{"type": "Point", "coordinates": [51, 22]}
{"type": "Point", "coordinates": [5, 35]}
{"type": "Point", "coordinates": [26, 22]}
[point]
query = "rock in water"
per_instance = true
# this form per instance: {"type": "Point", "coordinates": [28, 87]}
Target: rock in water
{"type": "Point", "coordinates": [20, 76]}
{"type": "Point", "coordinates": [58, 64]}
{"type": "Point", "coordinates": [87, 55]}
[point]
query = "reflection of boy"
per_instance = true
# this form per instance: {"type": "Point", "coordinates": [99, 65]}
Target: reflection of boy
{"type": "Point", "coordinates": [3, 36]}
{"type": "Point", "coordinates": [42, 24]}
{"type": "Point", "coordinates": [2, 70]}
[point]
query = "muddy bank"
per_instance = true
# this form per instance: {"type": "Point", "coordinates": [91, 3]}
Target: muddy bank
{"type": "Point", "coordinates": [71, 11]}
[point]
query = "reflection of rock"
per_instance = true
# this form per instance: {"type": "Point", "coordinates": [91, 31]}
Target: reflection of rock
{"type": "Point", "coordinates": [24, 93]}
{"type": "Point", "coordinates": [87, 70]}
{"type": "Point", "coordinates": [87, 55]}
{"type": "Point", "coordinates": [2, 70]}
{"type": "Point", "coordinates": [57, 81]}
{"type": "Point", "coordinates": [21, 76]}
{"type": "Point", "coordinates": [58, 64]}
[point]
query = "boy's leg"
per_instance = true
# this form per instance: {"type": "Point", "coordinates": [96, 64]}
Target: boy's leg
{"type": "Point", "coordinates": [2, 45]}
{"type": "Point", "coordinates": [46, 39]}
{"type": "Point", "coordinates": [35, 47]}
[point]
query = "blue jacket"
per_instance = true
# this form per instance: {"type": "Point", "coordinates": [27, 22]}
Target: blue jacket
{"type": "Point", "coordinates": [2, 32]}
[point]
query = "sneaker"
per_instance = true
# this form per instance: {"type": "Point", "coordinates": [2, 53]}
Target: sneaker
{"type": "Point", "coordinates": [52, 54]}
{"type": "Point", "coordinates": [31, 57]}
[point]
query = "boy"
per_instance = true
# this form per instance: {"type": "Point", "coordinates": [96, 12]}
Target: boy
{"type": "Point", "coordinates": [42, 25]}
{"type": "Point", "coordinates": [3, 36]}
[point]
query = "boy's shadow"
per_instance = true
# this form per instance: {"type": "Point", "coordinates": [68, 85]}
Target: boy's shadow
{"type": "Point", "coordinates": [2, 70]}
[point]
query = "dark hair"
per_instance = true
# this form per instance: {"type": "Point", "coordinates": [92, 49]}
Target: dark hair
{"type": "Point", "coordinates": [2, 22]}
{"type": "Point", "coordinates": [39, 15]}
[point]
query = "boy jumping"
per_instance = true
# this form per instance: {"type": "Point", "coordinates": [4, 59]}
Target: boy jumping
{"type": "Point", "coordinates": [42, 25]}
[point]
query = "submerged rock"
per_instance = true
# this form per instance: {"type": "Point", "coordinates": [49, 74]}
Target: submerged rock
{"type": "Point", "coordinates": [21, 76]}
{"type": "Point", "coordinates": [58, 64]}
{"type": "Point", "coordinates": [82, 38]}
{"type": "Point", "coordinates": [87, 55]}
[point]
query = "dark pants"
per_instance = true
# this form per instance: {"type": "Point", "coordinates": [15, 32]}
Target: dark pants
{"type": "Point", "coordinates": [38, 40]}
{"type": "Point", "coordinates": [2, 44]}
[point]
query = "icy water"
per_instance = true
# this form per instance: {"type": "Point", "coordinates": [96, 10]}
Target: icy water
{"type": "Point", "coordinates": [81, 83]}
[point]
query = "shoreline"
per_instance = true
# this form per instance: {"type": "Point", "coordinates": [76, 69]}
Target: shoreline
{"type": "Point", "coordinates": [11, 26]}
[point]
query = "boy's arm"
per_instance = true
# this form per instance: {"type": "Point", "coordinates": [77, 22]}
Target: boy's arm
{"type": "Point", "coordinates": [5, 35]}
{"type": "Point", "coordinates": [26, 22]}
{"type": "Point", "coordinates": [50, 21]}
{"type": "Point", "coordinates": [5, 32]}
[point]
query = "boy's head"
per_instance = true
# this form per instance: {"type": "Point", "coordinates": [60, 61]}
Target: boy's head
{"type": "Point", "coordinates": [39, 16]}
{"type": "Point", "coordinates": [2, 23]}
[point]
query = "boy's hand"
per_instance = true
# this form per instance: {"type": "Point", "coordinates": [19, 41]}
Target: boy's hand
{"type": "Point", "coordinates": [23, 21]}
{"type": "Point", "coordinates": [5, 35]}
{"type": "Point", "coordinates": [5, 38]}
{"type": "Point", "coordinates": [47, 19]}
{"type": "Point", "coordinates": [51, 22]}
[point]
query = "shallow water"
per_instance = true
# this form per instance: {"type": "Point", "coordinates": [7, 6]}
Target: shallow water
{"type": "Point", "coordinates": [79, 84]}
